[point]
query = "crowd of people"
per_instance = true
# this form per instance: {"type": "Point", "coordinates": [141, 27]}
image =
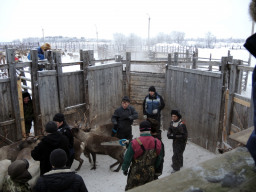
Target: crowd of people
{"type": "Point", "coordinates": [143, 159]}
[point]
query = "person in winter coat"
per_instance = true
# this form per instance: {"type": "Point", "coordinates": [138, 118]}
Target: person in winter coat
{"type": "Point", "coordinates": [250, 45]}
{"type": "Point", "coordinates": [51, 141]}
{"type": "Point", "coordinates": [152, 106]}
{"type": "Point", "coordinates": [65, 130]}
{"type": "Point", "coordinates": [18, 177]}
{"type": "Point", "coordinates": [28, 111]}
{"type": "Point", "coordinates": [156, 134]}
{"type": "Point", "coordinates": [123, 119]}
{"type": "Point", "coordinates": [178, 132]}
{"type": "Point", "coordinates": [60, 179]}
{"type": "Point", "coordinates": [41, 51]}
{"type": "Point", "coordinates": [143, 156]}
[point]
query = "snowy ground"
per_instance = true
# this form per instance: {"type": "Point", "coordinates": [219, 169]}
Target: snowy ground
{"type": "Point", "coordinates": [104, 180]}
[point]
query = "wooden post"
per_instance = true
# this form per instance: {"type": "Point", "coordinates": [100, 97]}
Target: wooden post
{"type": "Point", "coordinates": [49, 56]}
{"type": "Point", "coordinates": [232, 89]}
{"type": "Point", "coordinates": [223, 109]}
{"type": "Point", "coordinates": [81, 59]}
{"type": "Point", "coordinates": [187, 55]}
{"type": "Point", "coordinates": [23, 130]}
{"type": "Point", "coordinates": [86, 59]}
{"type": "Point", "coordinates": [210, 62]}
{"type": "Point", "coordinates": [60, 81]}
{"type": "Point", "coordinates": [118, 58]}
{"type": "Point", "coordinates": [169, 59]}
{"type": "Point", "coordinates": [14, 93]}
{"type": "Point", "coordinates": [128, 70]}
{"type": "Point", "coordinates": [91, 57]}
{"type": "Point", "coordinates": [194, 65]}
{"type": "Point", "coordinates": [35, 92]}
{"type": "Point", "coordinates": [176, 57]}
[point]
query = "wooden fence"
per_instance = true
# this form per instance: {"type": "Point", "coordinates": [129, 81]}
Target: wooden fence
{"type": "Point", "coordinates": [207, 93]}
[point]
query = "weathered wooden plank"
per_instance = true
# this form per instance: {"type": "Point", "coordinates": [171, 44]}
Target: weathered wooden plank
{"type": "Point", "coordinates": [242, 136]}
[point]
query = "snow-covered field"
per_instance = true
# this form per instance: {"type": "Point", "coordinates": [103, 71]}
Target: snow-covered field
{"type": "Point", "coordinates": [104, 180]}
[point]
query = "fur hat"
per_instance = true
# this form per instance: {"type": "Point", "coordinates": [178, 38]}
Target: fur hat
{"type": "Point", "coordinates": [252, 10]}
{"type": "Point", "coordinates": [59, 117]}
{"type": "Point", "coordinates": [46, 47]}
{"type": "Point", "coordinates": [58, 158]}
{"type": "Point", "coordinates": [51, 127]}
{"type": "Point", "coordinates": [152, 88]}
{"type": "Point", "coordinates": [126, 99]}
{"type": "Point", "coordinates": [177, 113]}
{"type": "Point", "coordinates": [145, 126]}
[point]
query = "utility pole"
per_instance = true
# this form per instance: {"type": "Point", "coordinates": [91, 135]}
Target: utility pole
{"type": "Point", "coordinates": [97, 36]}
{"type": "Point", "coordinates": [43, 34]}
{"type": "Point", "coordinates": [148, 32]}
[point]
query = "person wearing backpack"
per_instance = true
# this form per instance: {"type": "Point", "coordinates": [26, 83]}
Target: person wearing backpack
{"type": "Point", "coordinates": [178, 132]}
{"type": "Point", "coordinates": [143, 156]}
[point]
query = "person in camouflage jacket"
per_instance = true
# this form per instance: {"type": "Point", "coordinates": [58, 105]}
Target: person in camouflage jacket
{"type": "Point", "coordinates": [18, 177]}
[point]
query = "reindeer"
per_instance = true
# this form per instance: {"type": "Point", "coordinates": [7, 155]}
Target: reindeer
{"type": "Point", "coordinates": [4, 164]}
{"type": "Point", "coordinates": [93, 146]}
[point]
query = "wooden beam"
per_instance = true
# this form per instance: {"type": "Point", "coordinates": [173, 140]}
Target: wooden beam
{"type": "Point", "coordinates": [242, 136]}
{"type": "Point", "coordinates": [242, 102]}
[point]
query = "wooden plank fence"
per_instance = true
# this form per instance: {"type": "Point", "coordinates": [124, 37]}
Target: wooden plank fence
{"type": "Point", "coordinates": [198, 90]}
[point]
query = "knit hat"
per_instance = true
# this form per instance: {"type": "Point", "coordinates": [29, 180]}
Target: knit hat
{"type": "Point", "coordinates": [252, 10]}
{"type": "Point", "coordinates": [126, 99]}
{"type": "Point", "coordinates": [145, 126]}
{"type": "Point", "coordinates": [51, 127]}
{"type": "Point", "coordinates": [177, 113]}
{"type": "Point", "coordinates": [59, 117]}
{"type": "Point", "coordinates": [18, 171]}
{"type": "Point", "coordinates": [152, 88]}
{"type": "Point", "coordinates": [58, 158]}
{"type": "Point", "coordinates": [25, 94]}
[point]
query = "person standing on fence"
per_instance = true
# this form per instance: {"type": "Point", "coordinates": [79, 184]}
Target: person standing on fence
{"type": "Point", "coordinates": [143, 156]}
{"type": "Point", "coordinates": [41, 51]}
{"type": "Point", "coordinates": [123, 118]}
{"type": "Point", "coordinates": [28, 111]}
{"type": "Point", "coordinates": [178, 132]}
{"type": "Point", "coordinates": [250, 45]}
{"type": "Point", "coordinates": [52, 140]}
{"type": "Point", "coordinates": [64, 129]}
{"type": "Point", "coordinates": [152, 106]}
{"type": "Point", "coordinates": [60, 178]}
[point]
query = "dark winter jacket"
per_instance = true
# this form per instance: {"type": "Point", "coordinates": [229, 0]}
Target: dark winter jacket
{"type": "Point", "coordinates": [28, 108]}
{"type": "Point", "coordinates": [43, 150]}
{"type": "Point", "coordinates": [251, 143]}
{"type": "Point", "coordinates": [60, 180]}
{"type": "Point", "coordinates": [65, 130]}
{"type": "Point", "coordinates": [178, 132]}
{"type": "Point", "coordinates": [153, 102]}
{"type": "Point", "coordinates": [123, 118]}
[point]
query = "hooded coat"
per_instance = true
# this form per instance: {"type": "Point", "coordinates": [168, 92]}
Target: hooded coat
{"type": "Point", "coordinates": [60, 180]}
{"type": "Point", "coordinates": [43, 150]}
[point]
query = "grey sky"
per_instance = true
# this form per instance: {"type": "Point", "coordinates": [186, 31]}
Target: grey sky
{"type": "Point", "coordinates": [81, 18]}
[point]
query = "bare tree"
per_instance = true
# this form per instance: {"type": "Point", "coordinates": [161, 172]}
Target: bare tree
{"type": "Point", "coordinates": [210, 40]}
{"type": "Point", "coordinates": [177, 37]}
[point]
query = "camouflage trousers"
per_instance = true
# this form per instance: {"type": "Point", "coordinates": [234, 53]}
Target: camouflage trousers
{"type": "Point", "coordinates": [142, 170]}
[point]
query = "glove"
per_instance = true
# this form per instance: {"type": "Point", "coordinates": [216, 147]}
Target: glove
{"type": "Point", "coordinates": [125, 173]}
{"type": "Point", "coordinates": [155, 111]}
{"type": "Point", "coordinates": [144, 116]}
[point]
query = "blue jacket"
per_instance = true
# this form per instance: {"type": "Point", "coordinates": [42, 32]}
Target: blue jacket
{"type": "Point", "coordinates": [251, 143]}
{"type": "Point", "coordinates": [40, 54]}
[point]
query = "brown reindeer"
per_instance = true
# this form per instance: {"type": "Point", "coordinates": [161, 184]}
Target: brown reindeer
{"type": "Point", "coordinates": [93, 146]}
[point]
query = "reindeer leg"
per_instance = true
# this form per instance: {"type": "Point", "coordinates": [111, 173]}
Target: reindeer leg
{"type": "Point", "coordinates": [94, 161]}
{"type": "Point", "coordinates": [80, 164]}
